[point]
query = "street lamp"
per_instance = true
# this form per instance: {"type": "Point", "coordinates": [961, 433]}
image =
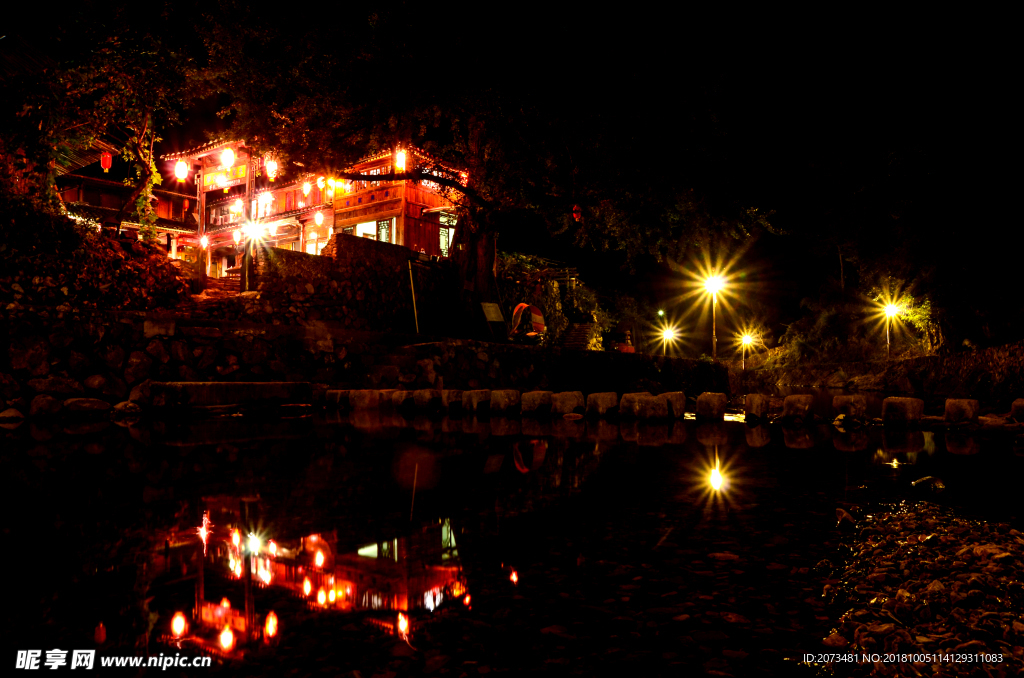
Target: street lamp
{"type": "Point", "coordinates": [891, 310]}
{"type": "Point", "coordinates": [747, 340]}
{"type": "Point", "coordinates": [713, 285]}
{"type": "Point", "coordinates": [668, 334]}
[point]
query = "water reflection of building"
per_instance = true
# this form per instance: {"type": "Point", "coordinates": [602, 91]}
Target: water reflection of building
{"type": "Point", "coordinates": [417, 571]}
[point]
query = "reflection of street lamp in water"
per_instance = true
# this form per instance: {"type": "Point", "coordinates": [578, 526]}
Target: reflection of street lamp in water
{"type": "Point", "coordinates": [713, 285]}
{"type": "Point", "coordinates": [716, 475]}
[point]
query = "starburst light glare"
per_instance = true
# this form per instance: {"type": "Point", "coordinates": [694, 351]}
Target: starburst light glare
{"type": "Point", "coordinates": [254, 543]}
{"type": "Point", "coordinates": [320, 182]}
{"type": "Point", "coordinates": [716, 479]}
{"type": "Point", "coordinates": [713, 284]}
{"type": "Point", "coordinates": [227, 158]}
{"type": "Point", "coordinates": [400, 161]}
{"type": "Point", "coordinates": [891, 310]}
{"type": "Point", "coordinates": [204, 242]}
{"type": "Point", "coordinates": [237, 236]}
{"type": "Point", "coordinates": [181, 170]}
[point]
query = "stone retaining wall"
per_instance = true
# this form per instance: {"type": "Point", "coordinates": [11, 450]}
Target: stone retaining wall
{"type": "Point", "coordinates": [994, 375]}
{"type": "Point", "coordinates": [108, 355]}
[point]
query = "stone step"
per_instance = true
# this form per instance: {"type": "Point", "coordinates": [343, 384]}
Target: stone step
{"type": "Point", "coordinates": [216, 393]}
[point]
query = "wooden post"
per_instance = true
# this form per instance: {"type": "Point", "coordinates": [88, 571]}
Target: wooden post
{"type": "Point", "coordinates": [412, 287]}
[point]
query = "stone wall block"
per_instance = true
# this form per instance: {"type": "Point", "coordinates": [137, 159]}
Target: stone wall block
{"type": "Point", "coordinates": [756, 405]}
{"type": "Point", "coordinates": [477, 401]}
{"type": "Point", "coordinates": [537, 403]}
{"type": "Point", "coordinates": [851, 405]}
{"type": "Point", "coordinates": [364, 399]}
{"type": "Point", "coordinates": [676, 403]}
{"type": "Point", "coordinates": [451, 399]}
{"type": "Point", "coordinates": [652, 407]}
{"type": "Point", "coordinates": [797, 406]}
{"type": "Point", "coordinates": [567, 402]}
{"type": "Point", "coordinates": [427, 400]}
{"type": "Point", "coordinates": [902, 411]}
{"type": "Point", "coordinates": [43, 405]}
{"type": "Point", "coordinates": [627, 406]}
{"type": "Point", "coordinates": [505, 401]}
{"type": "Point", "coordinates": [403, 400]}
{"type": "Point", "coordinates": [86, 405]}
{"type": "Point", "coordinates": [711, 405]}
{"type": "Point", "coordinates": [600, 404]}
{"type": "Point", "coordinates": [960, 410]}
{"type": "Point", "coordinates": [1017, 409]}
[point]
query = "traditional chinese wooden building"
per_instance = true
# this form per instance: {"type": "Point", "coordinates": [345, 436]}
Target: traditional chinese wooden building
{"type": "Point", "coordinates": [100, 201]}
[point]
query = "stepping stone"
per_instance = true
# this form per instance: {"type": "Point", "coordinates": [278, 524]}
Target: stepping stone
{"type": "Point", "coordinates": [902, 411]}
{"type": "Point", "coordinates": [505, 401]}
{"type": "Point", "coordinates": [711, 405]}
{"type": "Point", "coordinates": [850, 405]}
{"type": "Point", "coordinates": [567, 402]}
{"type": "Point", "coordinates": [476, 402]}
{"type": "Point", "coordinates": [797, 406]}
{"type": "Point", "coordinates": [536, 402]}
{"type": "Point", "coordinates": [958, 410]}
{"type": "Point", "coordinates": [627, 406]}
{"type": "Point", "coordinates": [676, 402]}
{"type": "Point", "coordinates": [756, 405]}
{"type": "Point", "coordinates": [600, 404]}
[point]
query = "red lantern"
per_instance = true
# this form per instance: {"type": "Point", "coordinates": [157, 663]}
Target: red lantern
{"type": "Point", "coordinates": [105, 160]}
{"type": "Point", "coordinates": [577, 212]}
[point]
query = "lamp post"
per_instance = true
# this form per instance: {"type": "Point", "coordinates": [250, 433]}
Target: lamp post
{"type": "Point", "coordinates": [746, 341]}
{"type": "Point", "coordinates": [890, 311]}
{"type": "Point", "coordinates": [713, 285]}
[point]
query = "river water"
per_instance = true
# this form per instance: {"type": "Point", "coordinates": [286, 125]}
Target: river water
{"type": "Point", "coordinates": [583, 548]}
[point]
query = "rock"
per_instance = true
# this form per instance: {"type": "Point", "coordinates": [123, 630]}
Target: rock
{"type": "Point", "coordinates": [156, 349]}
{"type": "Point", "coordinates": [138, 366]}
{"type": "Point", "coordinates": [676, 403]}
{"type": "Point", "coordinates": [851, 405]}
{"type": "Point", "coordinates": [476, 402]}
{"type": "Point", "coordinates": [536, 402]}
{"type": "Point", "coordinates": [11, 418]}
{"type": "Point", "coordinates": [797, 406]}
{"type": "Point", "coordinates": [711, 405]}
{"type": "Point", "coordinates": [1017, 410]}
{"type": "Point", "coordinates": [43, 405]}
{"type": "Point", "coordinates": [112, 356]}
{"type": "Point", "coordinates": [505, 401]}
{"type": "Point", "coordinates": [958, 442]}
{"type": "Point", "coordinates": [627, 406]}
{"type": "Point", "coordinates": [797, 438]}
{"type": "Point", "coordinates": [958, 410]}
{"type": "Point", "coordinates": [56, 385]}
{"type": "Point", "coordinates": [158, 328]}
{"type": "Point", "coordinates": [86, 405]}
{"type": "Point", "coordinates": [757, 436]}
{"type": "Point", "coordinates": [652, 407]}
{"type": "Point", "coordinates": [141, 393]}
{"type": "Point", "coordinates": [126, 410]}
{"type": "Point", "coordinates": [567, 402]}
{"type": "Point", "coordinates": [756, 405]}
{"type": "Point", "coordinates": [902, 411]}
{"type": "Point", "coordinates": [364, 399]}
{"type": "Point", "coordinates": [600, 404]}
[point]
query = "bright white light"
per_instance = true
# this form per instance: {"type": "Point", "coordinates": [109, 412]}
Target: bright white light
{"type": "Point", "coordinates": [747, 340]}
{"type": "Point", "coordinates": [716, 479]}
{"type": "Point", "coordinates": [254, 543]}
{"type": "Point", "coordinates": [668, 334]}
{"type": "Point", "coordinates": [227, 158]}
{"type": "Point", "coordinates": [713, 284]}
{"type": "Point", "coordinates": [891, 310]}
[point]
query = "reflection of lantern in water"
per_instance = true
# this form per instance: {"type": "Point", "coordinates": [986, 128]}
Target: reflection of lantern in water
{"type": "Point", "coordinates": [332, 596]}
{"type": "Point", "coordinates": [227, 639]}
{"type": "Point", "coordinates": [716, 479]}
{"type": "Point", "coordinates": [236, 537]}
{"type": "Point", "coordinates": [321, 597]}
{"type": "Point", "coordinates": [178, 624]}
{"type": "Point", "coordinates": [319, 559]}
{"type": "Point", "coordinates": [403, 624]}
{"type": "Point", "coordinates": [204, 531]}
{"type": "Point", "coordinates": [465, 601]}
{"type": "Point", "coordinates": [272, 547]}
{"type": "Point", "coordinates": [307, 586]}
{"type": "Point", "coordinates": [270, 628]}
{"type": "Point", "coordinates": [225, 603]}
{"type": "Point", "coordinates": [514, 577]}
{"type": "Point", "coordinates": [238, 569]}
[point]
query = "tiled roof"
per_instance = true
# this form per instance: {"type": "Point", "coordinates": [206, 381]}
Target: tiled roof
{"type": "Point", "coordinates": [107, 214]}
{"type": "Point", "coordinates": [202, 149]}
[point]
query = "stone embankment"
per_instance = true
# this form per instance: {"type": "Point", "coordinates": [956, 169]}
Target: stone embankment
{"type": "Point", "coordinates": [115, 358]}
{"type": "Point", "coordinates": [991, 375]}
